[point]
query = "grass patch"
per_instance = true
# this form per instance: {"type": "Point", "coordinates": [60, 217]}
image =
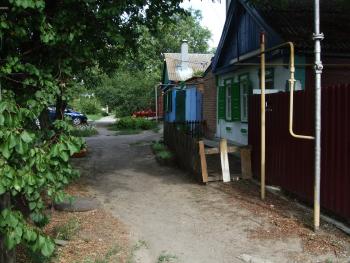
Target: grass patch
{"type": "Point", "coordinates": [131, 123]}
{"type": "Point", "coordinates": [129, 132]}
{"type": "Point", "coordinates": [67, 230]}
{"type": "Point", "coordinates": [166, 258]}
{"type": "Point", "coordinates": [164, 155]}
{"type": "Point", "coordinates": [84, 131]}
{"type": "Point", "coordinates": [106, 258]}
{"type": "Point", "coordinates": [158, 146]}
{"type": "Point", "coordinates": [140, 244]}
{"type": "Point", "coordinates": [156, 129]}
{"type": "Point", "coordinates": [94, 117]}
{"type": "Point", "coordinates": [140, 143]}
{"type": "Point", "coordinates": [161, 151]}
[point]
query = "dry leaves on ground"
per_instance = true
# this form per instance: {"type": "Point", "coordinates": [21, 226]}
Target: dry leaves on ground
{"type": "Point", "coordinates": [94, 236]}
{"type": "Point", "coordinates": [287, 220]}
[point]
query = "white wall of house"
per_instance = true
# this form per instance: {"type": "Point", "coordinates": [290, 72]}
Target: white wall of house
{"type": "Point", "coordinates": [237, 131]}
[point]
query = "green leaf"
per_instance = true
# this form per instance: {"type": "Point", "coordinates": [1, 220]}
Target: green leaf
{"type": "Point", "coordinates": [12, 221]}
{"type": "Point", "coordinates": [2, 189]}
{"type": "Point", "coordinates": [30, 235]}
{"type": "Point", "coordinates": [64, 156]}
{"type": "Point", "coordinates": [25, 136]}
{"type": "Point", "coordinates": [4, 149]}
{"type": "Point", "coordinates": [32, 205]}
{"type": "Point", "coordinates": [72, 148]}
{"type": "Point", "coordinates": [19, 147]}
{"type": "Point", "coordinates": [47, 248]}
{"type": "Point", "coordinates": [12, 141]}
{"type": "Point", "coordinates": [10, 240]}
{"type": "Point", "coordinates": [2, 119]}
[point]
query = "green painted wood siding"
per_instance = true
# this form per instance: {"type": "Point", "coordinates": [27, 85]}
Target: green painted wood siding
{"type": "Point", "coordinates": [222, 103]}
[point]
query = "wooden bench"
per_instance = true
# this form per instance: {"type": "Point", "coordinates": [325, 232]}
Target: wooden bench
{"type": "Point", "coordinates": [223, 149]}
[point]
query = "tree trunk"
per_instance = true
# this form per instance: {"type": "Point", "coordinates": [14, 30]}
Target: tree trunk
{"type": "Point", "coordinates": [44, 120]}
{"type": "Point", "coordinates": [5, 255]}
{"type": "Point", "coordinates": [60, 108]}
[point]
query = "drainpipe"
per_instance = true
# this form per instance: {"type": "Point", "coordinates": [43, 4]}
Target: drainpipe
{"type": "Point", "coordinates": [156, 97]}
{"type": "Point", "coordinates": [318, 37]}
{"type": "Point", "coordinates": [263, 117]}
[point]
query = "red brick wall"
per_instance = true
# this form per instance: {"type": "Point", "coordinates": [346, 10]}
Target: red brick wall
{"type": "Point", "coordinates": [209, 104]}
{"type": "Point", "coordinates": [160, 104]}
{"type": "Point", "coordinates": [331, 75]}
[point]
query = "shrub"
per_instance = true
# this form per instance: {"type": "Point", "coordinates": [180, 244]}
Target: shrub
{"type": "Point", "coordinates": [157, 146]}
{"type": "Point", "coordinates": [67, 230]}
{"type": "Point", "coordinates": [89, 105]}
{"type": "Point", "coordinates": [129, 123]}
{"type": "Point", "coordinates": [164, 155]}
{"type": "Point", "coordinates": [104, 114]}
{"type": "Point", "coordinates": [84, 131]}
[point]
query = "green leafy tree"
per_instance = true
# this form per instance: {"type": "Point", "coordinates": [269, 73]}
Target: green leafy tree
{"type": "Point", "coordinates": [126, 92]}
{"type": "Point", "coordinates": [47, 46]}
{"type": "Point", "coordinates": [131, 88]}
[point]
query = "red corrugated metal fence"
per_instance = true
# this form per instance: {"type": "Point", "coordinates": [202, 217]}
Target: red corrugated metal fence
{"type": "Point", "coordinates": [290, 162]}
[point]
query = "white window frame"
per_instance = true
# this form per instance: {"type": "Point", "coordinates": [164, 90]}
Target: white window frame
{"type": "Point", "coordinates": [244, 96]}
{"type": "Point", "coordinates": [228, 89]}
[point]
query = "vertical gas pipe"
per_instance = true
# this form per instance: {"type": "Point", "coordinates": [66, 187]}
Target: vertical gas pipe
{"type": "Point", "coordinates": [318, 37]}
{"type": "Point", "coordinates": [263, 117]}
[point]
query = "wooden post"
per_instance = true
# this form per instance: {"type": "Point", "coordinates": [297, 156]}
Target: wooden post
{"type": "Point", "coordinates": [5, 255]}
{"type": "Point", "coordinates": [246, 163]}
{"type": "Point", "coordinates": [224, 161]}
{"type": "Point", "coordinates": [203, 162]}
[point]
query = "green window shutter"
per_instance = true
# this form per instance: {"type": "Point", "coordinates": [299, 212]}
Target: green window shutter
{"type": "Point", "coordinates": [222, 103]}
{"type": "Point", "coordinates": [181, 105]}
{"type": "Point", "coordinates": [236, 102]}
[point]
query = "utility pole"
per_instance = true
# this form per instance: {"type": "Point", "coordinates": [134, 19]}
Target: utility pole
{"type": "Point", "coordinates": [263, 117]}
{"type": "Point", "coordinates": [318, 37]}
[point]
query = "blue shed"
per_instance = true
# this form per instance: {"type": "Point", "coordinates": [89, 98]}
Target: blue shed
{"type": "Point", "coordinates": [170, 105]}
{"type": "Point", "coordinates": [183, 104]}
{"type": "Point", "coordinates": [193, 104]}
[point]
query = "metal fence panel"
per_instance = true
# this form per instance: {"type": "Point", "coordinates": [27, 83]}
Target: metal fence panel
{"type": "Point", "coordinates": [290, 162]}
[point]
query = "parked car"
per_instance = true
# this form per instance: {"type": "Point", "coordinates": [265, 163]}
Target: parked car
{"type": "Point", "coordinates": [76, 117]}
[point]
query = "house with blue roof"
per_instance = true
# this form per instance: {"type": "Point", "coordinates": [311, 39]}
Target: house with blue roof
{"type": "Point", "coordinates": [236, 63]}
{"type": "Point", "coordinates": [182, 101]}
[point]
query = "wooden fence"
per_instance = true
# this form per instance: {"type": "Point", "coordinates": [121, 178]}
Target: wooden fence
{"type": "Point", "coordinates": [182, 139]}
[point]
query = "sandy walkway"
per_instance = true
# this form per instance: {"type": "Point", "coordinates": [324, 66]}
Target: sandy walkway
{"type": "Point", "coordinates": [174, 217]}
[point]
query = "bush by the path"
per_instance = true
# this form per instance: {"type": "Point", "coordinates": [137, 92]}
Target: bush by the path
{"type": "Point", "coordinates": [162, 153]}
{"type": "Point", "coordinates": [131, 123]}
{"type": "Point", "coordinates": [84, 131]}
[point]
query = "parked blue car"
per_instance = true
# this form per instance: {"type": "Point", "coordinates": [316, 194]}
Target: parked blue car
{"type": "Point", "coordinates": [76, 117]}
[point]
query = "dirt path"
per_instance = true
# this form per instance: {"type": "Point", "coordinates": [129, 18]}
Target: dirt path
{"type": "Point", "coordinates": [171, 216]}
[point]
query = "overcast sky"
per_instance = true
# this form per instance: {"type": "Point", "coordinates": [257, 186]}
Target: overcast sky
{"type": "Point", "coordinates": [213, 16]}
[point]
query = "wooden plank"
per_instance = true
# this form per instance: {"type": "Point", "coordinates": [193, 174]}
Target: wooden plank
{"type": "Point", "coordinates": [224, 161]}
{"type": "Point", "coordinates": [211, 143]}
{"type": "Point", "coordinates": [246, 163]}
{"type": "Point", "coordinates": [233, 149]}
{"type": "Point", "coordinates": [214, 178]}
{"type": "Point", "coordinates": [212, 151]}
{"type": "Point", "coordinates": [203, 162]}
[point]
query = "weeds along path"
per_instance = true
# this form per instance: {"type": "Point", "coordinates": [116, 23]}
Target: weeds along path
{"type": "Point", "coordinates": [173, 219]}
